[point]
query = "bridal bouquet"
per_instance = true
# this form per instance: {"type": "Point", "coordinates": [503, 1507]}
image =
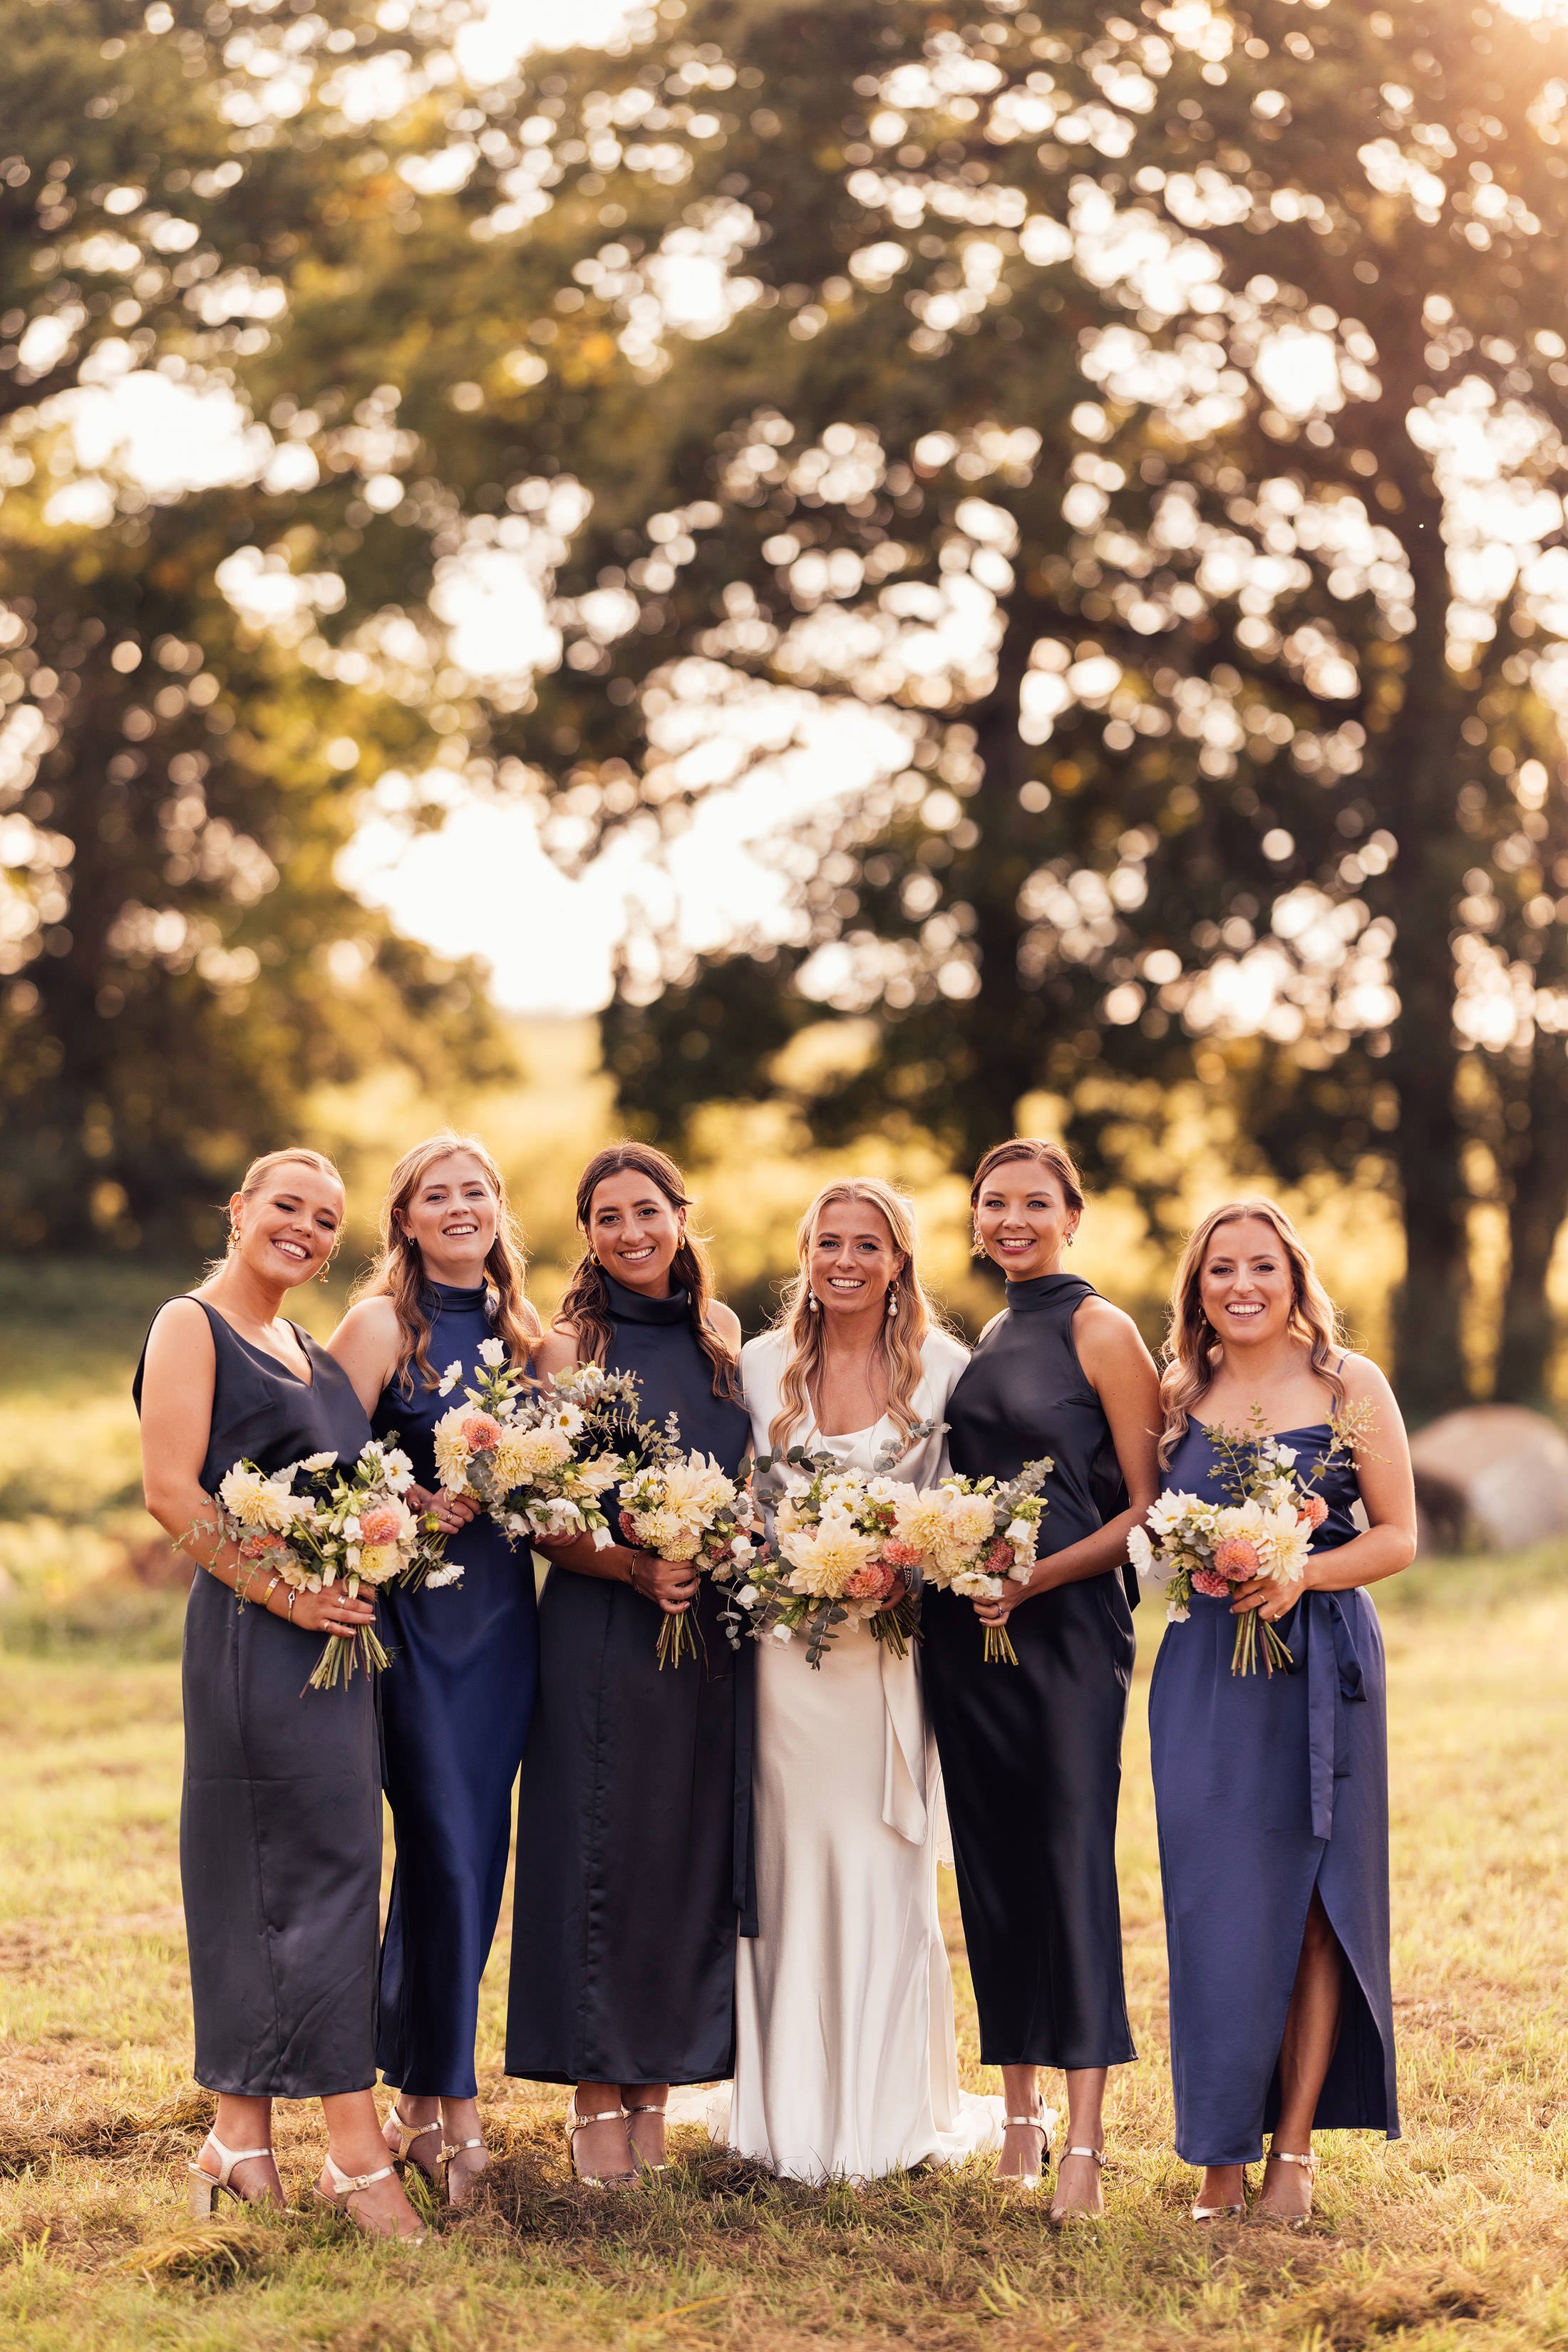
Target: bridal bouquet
{"type": "Point", "coordinates": [1187, 1545]}
{"type": "Point", "coordinates": [683, 1506]}
{"type": "Point", "coordinates": [540, 1458]}
{"type": "Point", "coordinates": [968, 1535]}
{"type": "Point", "coordinates": [835, 1556]}
{"type": "Point", "coordinates": [315, 1524]}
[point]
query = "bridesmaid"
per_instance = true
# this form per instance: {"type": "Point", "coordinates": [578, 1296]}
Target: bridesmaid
{"type": "Point", "coordinates": [455, 1714]}
{"type": "Point", "coordinates": [633, 1845]}
{"type": "Point", "coordinates": [1031, 1754]}
{"type": "Point", "coordinates": [1272, 1792]}
{"type": "Point", "coordinates": [281, 1816]}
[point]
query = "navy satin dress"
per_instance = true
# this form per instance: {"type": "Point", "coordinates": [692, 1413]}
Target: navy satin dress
{"type": "Point", "coordinates": [455, 1716]}
{"type": "Point", "coordinates": [1031, 1754]}
{"type": "Point", "coordinates": [633, 1859]}
{"type": "Point", "coordinates": [280, 1811]}
{"type": "Point", "coordinates": [1265, 1788]}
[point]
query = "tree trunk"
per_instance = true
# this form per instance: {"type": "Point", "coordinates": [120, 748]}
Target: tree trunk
{"type": "Point", "coordinates": [1536, 1210]}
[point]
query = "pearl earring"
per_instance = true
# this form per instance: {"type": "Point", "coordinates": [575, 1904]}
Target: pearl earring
{"type": "Point", "coordinates": [892, 1303]}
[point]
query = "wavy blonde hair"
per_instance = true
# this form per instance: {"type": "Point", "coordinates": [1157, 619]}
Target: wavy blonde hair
{"type": "Point", "coordinates": [399, 1272]}
{"type": "Point", "coordinates": [902, 1336]}
{"type": "Point", "coordinates": [1192, 1343]}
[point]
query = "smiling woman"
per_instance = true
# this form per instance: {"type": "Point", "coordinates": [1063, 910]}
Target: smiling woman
{"type": "Point", "coordinates": [281, 1819]}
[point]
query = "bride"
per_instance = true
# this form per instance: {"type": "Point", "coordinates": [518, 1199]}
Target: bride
{"type": "Point", "coordinates": [846, 2066]}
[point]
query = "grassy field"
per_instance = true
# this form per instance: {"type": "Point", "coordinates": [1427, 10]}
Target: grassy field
{"type": "Point", "coordinates": [1456, 2236]}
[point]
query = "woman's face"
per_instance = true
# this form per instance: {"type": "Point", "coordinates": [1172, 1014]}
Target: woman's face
{"type": "Point", "coordinates": [288, 1228]}
{"type": "Point", "coordinates": [1245, 1287]}
{"type": "Point", "coordinates": [634, 1231]}
{"type": "Point", "coordinates": [852, 1258]}
{"type": "Point", "coordinates": [451, 1214]}
{"type": "Point", "coordinates": [1023, 1219]}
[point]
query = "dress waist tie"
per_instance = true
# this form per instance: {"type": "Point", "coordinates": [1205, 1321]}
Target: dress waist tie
{"type": "Point", "coordinates": [904, 1791]}
{"type": "Point", "coordinates": [1334, 1680]}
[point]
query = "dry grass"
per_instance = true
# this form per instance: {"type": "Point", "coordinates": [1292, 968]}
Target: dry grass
{"type": "Point", "coordinates": [1457, 2236]}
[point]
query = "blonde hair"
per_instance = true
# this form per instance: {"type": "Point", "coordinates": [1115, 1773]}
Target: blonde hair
{"type": "Point", "coordinates": [903, 1334]}
{"type": "Point", "coordinates": [1192, 1343]}
{"type": "Point", "coordinates": [585, 1309]}
{"type": "Point", "coordinates": [399, 1272]}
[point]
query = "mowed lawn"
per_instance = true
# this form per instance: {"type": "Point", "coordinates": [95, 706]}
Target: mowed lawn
{"type": "Point", "coordinates": [1457, 2235]}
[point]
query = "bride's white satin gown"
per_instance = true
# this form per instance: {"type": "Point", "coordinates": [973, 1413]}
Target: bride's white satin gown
{"type": "Point", "coordinates": [846, 2066]}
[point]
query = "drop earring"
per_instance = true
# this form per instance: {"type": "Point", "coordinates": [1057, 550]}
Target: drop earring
{"type": "Point", "coordinates": [892, 1303]}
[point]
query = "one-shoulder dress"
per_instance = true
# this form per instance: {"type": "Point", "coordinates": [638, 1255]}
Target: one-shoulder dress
{"type": "Point", "coordinates": [633, 1859]}
{"type": "Point", "coordinates": [280, 1814]}
{"type": "Point", "coordinates": [1031, 1754]}
{"type": "Point", "coordinates": [455, 1716]}
{"type": "Point", "coordinates": [1266, 1787]}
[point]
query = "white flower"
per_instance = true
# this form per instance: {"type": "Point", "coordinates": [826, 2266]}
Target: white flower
{"type": "Point", "coordinates": [397, 1470]}
{"type": "Point", "coordinates": [1020, 1531]}
{"type": "Point", "coordinates": [1174, 1616]}
{"type": "Point", "coordinates": [743, 1547]}
{"type": "Point", "coordinates": [603, 1539]}
{"type": "Point", "coordinates": [1284, 1456]}
{"type": "Point", "coordinates": [493, 1353]}
{"type": "Point", "coordinates": [747, 1596]}
{"type": "Point", "coordinates": [1140, 1552]}
{"type": "Point", "coordinates": [448, 1382]}
{"type": "Point", "coordinates": [318, 1462]}
{"type": "Point", "coordinates": [783, 1634]}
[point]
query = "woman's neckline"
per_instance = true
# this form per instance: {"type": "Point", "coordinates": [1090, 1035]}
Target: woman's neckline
{"type": "Point", "coordinates": [461, 1293]}
{"type": "Point", "coordinates": [306, 1380]}
{"type": "Point", "coordinates": [635, 1306]}
{"type": "Point", "coordinates": [1036, 1288]}
{"type": "Point", "coordinates": [1292, 1429]}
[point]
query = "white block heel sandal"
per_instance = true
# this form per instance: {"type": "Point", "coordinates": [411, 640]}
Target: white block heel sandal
{"type": "Point", "coordinates": [207, 2187]}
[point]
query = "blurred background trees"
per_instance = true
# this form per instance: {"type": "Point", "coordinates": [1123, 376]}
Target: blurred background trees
{"type": "Point", "coordinates": [1124, 446]}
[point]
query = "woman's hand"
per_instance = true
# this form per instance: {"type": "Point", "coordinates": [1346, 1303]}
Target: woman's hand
{"type": "Point", "coordinates": [330, 1610]}
{"type": "Point", "coordinates": [1269, 1596]}
{"type": "Point", "coordinates": [671, 1582]}
{"type": "Point", "coordinates": [450, 1511]}
{"type": "Point", "coordinates": [997, 1612]}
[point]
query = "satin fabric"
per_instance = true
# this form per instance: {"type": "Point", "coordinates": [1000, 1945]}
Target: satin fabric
{"type": "Point", "coordinates": [633, 1874]}
{"type": "Point", "coordinates": [454, 1720]}
{"type": "Point", "coordinates": [1031, 1754]}
{"type": "Point", "coordinates": [1265, 1787]}
{"type": "Point", "coordinates": [845, 2064]}
{"type": "Point", "coordinates": [280, 1809]}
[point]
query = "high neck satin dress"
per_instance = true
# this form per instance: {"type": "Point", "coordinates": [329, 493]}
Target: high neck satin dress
{"type": "Point", "coordinates": [454, 1720]}
{"type": "Point", "coordinates": [634, 1816]}
{"type": "Point", "coordinates": [1031, 1754]}
{"type": "Point", "coordinates": [1265, 1788]}
{"type": "Point", "coordinates": [280, 1811]}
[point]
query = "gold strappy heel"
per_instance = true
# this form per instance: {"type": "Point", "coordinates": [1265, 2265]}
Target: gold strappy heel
{"type": "Point", "coordinates": [1079, 2213]}
{"type": "Point", "coordinates": [576, 2123]}
{"type": "Point", "coordinates": [449, 2148]}
{"type": "Point", "coordinates": [644, 2107]}
{"type": "Point", "coordinates": [207, 2187]}
{"type": "Point", "coordinates": [346, 2187]}
{"type": "Point", "coordinates": [1309, 2164]}
{"type": "Point", "coordinates": [1036, 2122]}
{"type": "Point", "coordinates": [406, 2136]}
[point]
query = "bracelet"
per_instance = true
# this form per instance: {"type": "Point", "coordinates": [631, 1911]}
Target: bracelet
{"type": "Point", "coordinates": [293, 1596]}
{"type": "Point", "coordinates": [266, 1596]}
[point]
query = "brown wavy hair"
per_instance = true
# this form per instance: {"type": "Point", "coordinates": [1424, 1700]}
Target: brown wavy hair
{"type": "Point", "coordinates": [1193, 1345]}
{"type": "Point", "coordinates": [902, 1336]}
{"type": "Point", "coordinates": [586, 1308]}
{"type": "Point", "coordinates": [1054, 1156]}
{"type": "Point", "coordinates": [399, 1272]}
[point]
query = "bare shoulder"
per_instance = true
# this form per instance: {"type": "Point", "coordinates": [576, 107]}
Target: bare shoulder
{"type": "Point", "coordinates": [725, 1325]}
{"type": "Point", "coordinates": [1106, 1333]}
{"type": "Point", "coordinates": [1366, 1383]}
{"type": "Point", "coordinates": [371, 1320]}
{"type": "Point", "coordinates": [557, 1351]}
{"type": "Point", "coordinates": [180, 1332]}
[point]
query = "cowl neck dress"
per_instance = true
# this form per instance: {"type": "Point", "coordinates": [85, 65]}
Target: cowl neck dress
{"type": "Point", "coordinates": [1265, 1788]}
{"type": "Point", "coordinates": [280, 1808]}
{"type": "Point", "coordinates": [454, 1720]}
{"type": "Point", "coordinates": [633, 1874]}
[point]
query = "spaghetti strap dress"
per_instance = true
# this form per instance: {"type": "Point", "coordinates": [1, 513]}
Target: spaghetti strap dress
{"type": "Point", "coordinates": [281, 1813]}
{"type": "Point", "coordinates": [633, 1856]}
{"type": "Point", "coordinates": [454, 1720]}
{"type": "Point", "coordinates": [1265, 1788]}
{"type": "Point", "coordinates": [1031, 1754]}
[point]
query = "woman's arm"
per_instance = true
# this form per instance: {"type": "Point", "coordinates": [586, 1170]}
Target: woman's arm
{"type": "Point", "coordinates": [178, 1379]}
{"type": "Point", "coordinates": [366, 1345]}
{"type": "Point", "coordinates": [671, 1583]}
{"type": "Point", "coordinates": [1121, 1372]}
{"type": "Point", "coordinates": [1388, 1491]}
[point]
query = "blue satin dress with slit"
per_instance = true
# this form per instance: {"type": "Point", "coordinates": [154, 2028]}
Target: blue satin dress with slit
{"type": "Point", "coordinates": [455, 1716]}
{"type": "Point", "coordinates": [1265, 1787]}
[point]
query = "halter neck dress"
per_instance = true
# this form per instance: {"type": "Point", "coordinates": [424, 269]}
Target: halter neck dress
{"type": "Point", "coordinates": [1031, 1754]}
{"type": "Point", "coordinates": [1265, 1788]}
{"type": "Point", "coordinates": [281, 1810]}
{"type": "Point", "coordinates": [454, 1720]}
{"type": "Point", "coordinates": [634, 1862]}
